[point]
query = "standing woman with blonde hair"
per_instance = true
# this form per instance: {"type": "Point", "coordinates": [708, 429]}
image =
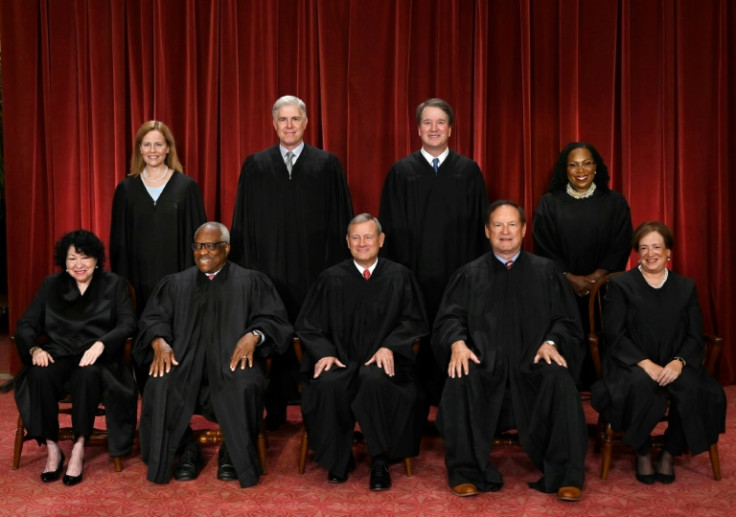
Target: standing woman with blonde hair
{"type": "Point", "coordinates": [155, 213]}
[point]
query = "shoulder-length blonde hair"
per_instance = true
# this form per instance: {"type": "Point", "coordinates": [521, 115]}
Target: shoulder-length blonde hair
{"type": "Point", "coordinates": [172, 159]}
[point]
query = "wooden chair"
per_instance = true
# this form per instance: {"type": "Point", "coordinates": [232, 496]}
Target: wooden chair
{"type": "Point", "coordinates": [304, 448]}
{"type": "Point", "coordinates": [606, 436]}
{"type": "Point", "coordinates": [214, 436]}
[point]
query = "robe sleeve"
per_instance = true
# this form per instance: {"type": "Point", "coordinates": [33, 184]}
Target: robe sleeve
{"type": "Point", "coordinates": [340, 212]}
{"type": "Point", "coordinates": [238, 230]}
{"type": "Point", "coordinates": [545, 234]}
{"type": "Point", "coordinates": [394, 221]}
{"type": "Point", "coordinates": [118, 233]}
{"type": "Point", "coordinates": [411, 323]}
{"type": "Point", "coordinates": [31, 324]}
{"type": "Point", "coordinates": [313, 324]}
{"type": "Point", "coordinates": [269, 316]}
{"type": "Point", "coordinates": [691, 349]}
{"type": "Point", "coordinates": [156, 321]}
{"type": "Point", "coordinates": [565, 328]}
{"type": "Point", "coordinates": [621, 347]}
{"type": "Point", "coordinates": [193, 217]}
{"type": "Point", "coordinates": [125, 322]}
{"type": "Point", "coordinates": [451, 323]}
{"type": "Point", "coordinates": [620, 239]}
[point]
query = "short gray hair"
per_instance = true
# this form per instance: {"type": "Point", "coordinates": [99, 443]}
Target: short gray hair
{"type": "Point", "coordinates": [364, 218]}
{"type": "Point", "coordinates": [289, 100]}
{"type": "Point", "coordinates": [224, 232]}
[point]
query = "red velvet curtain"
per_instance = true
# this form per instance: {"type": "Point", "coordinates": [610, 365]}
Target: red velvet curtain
{"type": "Point", "coordinates": [649, 82]}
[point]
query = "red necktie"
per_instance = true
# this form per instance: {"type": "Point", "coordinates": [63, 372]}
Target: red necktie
{"type": "Point", "coordinates": [366, 274]}
{"type": "Point", "coordinates": [210, 275]}
{"type": "Point", "coordinates": [509, 263]}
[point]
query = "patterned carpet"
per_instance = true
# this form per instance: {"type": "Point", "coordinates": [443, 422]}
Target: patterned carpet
{"type": "Point", "coordinates": [284, 492]}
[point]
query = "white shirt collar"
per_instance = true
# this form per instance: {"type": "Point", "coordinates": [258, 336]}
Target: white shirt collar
{"type": "Point", "coordinates": [442, 157]}
{"type": "Point", "coordinates": [361, 268]}
{"type": "Point", "coordinates": [296, 151]}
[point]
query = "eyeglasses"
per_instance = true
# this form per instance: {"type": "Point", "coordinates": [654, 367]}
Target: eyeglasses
{"type": "Point", "coordinates": [209, 246]}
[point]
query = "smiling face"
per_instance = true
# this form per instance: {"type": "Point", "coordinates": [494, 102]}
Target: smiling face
{"type": "Point", "coordinates": [154, 148]}
{"type": "Point", "coordinates": [290, 124]}
{"type": "Point", "coordinates": [505, 231]}
{"type": "Point", "coordinates": [80, 266]}
{"type": "Point", "coordinates": [580, 169]}
{"type": "Point", "coordinates": [210, 261]}
{"type": "Point", "coordinates": [434, 130]}
{"type": "Point", "coordinates": [364, 242]}
{"type": "Point", "coordinates": [653, 253]}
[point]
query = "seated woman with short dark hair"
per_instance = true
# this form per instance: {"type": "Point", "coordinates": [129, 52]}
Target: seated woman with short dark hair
{"type": "Point", "coordinates": [86, 315]}
{"type": "Point", "coordinates": [654, 353]}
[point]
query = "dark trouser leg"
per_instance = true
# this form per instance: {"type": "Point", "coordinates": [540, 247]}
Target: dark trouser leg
{"type": "Point", "coordinates": [467, 418]}
{"type": "Point", "coordinates": [556, 433]}
{"type": "Point", "coordinates": [86, 390]}
{"type": "Point", "coordinates": [644, 406]}
{"type": "Point", "coordinates": [282, 387]}
{"type": "Point", "coordinates": [46, 388]}
{"type": "Point", "coordinates": [328, 418]}
{"type": "Point", "coordinates": [239, 411]}
{"type": "Point", "coordinates": [386, 409]}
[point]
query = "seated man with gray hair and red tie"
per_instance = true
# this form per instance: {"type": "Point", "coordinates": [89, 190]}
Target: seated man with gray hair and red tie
{"type": "Point", "coordinates": [357, 327]}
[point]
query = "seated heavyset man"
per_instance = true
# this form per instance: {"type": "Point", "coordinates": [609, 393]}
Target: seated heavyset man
{"type": "Point", "coordinates": [206, 333]}
{"type": "Point", "coordinates": [509, 333]}
{"type": "Point", "coordinates": [357, 325]}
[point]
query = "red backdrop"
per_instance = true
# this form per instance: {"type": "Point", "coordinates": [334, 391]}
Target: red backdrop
{"type": "Point", "coordinates": [649, 82]}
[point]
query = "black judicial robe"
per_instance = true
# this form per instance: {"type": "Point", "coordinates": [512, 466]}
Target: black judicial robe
{"type": "Point", "coordinates": [433, 222]}
{"type": "Point", "coordinates": [73, 322]}
{"type": "Point", "coordinates": [504, 316]}
{"type": "Point", "coordinates": [291, 229]}
{"type": "Point", "coordinates": [642, 322]}
{"type": "Point", "coordinates": [349, 317]}
{"type": "Point", "coordinates": [203, 320]}
{"type": "Point", "coordinates": [149, 240]}
{"type": "Point", "coordinates": [583, 235]}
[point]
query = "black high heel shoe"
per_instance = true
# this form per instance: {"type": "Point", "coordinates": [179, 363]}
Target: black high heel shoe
{"type": "Point", "coordinates": [48, 477]}
{"type": "Point", "coordinates": [664, 478]}
{"type": "Point", "coordinates": [647, 479]}
{"type": "Point", "coordinates": [74, 480]}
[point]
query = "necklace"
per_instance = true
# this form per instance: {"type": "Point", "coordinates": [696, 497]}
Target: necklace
{"type": "Point", "coordinates": [580, 195]}
{"type": "Point", "coordinates": [659, 286]}
{"type": "Point", "coordinates": [149, 179]}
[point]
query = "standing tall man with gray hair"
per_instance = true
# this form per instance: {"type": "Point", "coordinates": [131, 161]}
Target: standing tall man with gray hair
{"type": "Point", "coordinates": [291, 211]}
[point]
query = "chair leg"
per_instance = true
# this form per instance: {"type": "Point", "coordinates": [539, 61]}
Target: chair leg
{"type": "Point", "coordinates": [18, 447]}
{"type": "Point", "coordinates": [303, 451]}
{"type": "Point", "coordinates": [715, 462]}
{"type": "Point", "coordinates": [606, 452]}
{"type": "Point", "coordinates": [408, 467]}
{"type": "Point", "coordinates": [118, 463]}
{"type": "Point", "coordinates": [262, 450]}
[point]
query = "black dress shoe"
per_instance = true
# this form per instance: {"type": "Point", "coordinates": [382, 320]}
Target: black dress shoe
{"type": "Point", "coordinates": [48, 477]}
{"type": "Point", "coordinates": [190, 462]}
{"type": "Point", "coordinates": [73, 480]}
{"type": "Point", "coordinates": [380, 476]}
{"type": "Point", "coordinates": [225, 467]}
{"type": "Point", "coordinates": [334, 478]}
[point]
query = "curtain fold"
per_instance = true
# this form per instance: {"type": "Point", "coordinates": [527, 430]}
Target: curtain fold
{"type": "Point", "coordinates": [648, 82]}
